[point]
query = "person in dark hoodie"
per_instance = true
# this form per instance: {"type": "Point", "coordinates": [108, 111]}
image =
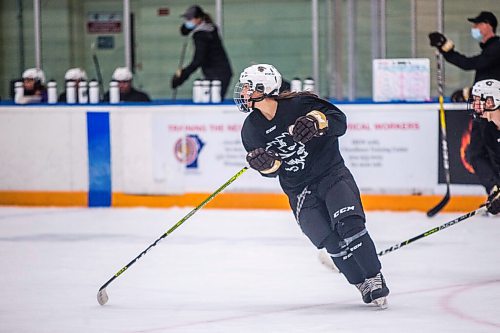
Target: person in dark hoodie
{"type": "Point", "coordinates": [209, 53]}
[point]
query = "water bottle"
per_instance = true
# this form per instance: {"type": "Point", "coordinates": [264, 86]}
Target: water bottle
{"type": "Point", "coordinates": [83, 97]}
{"type": "Point", "coordinates": [296, 85]}
{"type": "Point", "coordinates": [71, 92]}
{"type": "Point", "coordinates": [114, 92]}
{"type": "Point", "coordinates": [205, 91]}
{"type": "Point", "coordinates": [215, 90]}
{"type": "Point", "coordinates": [52, 92]}
{"type": "Point", "coordinates": [18, 92]}
{"type": "Point", "coordinates": [308, 84]}
{"type": "Point", "coordinates": [197, 91]}
{"type": "Point", "coordinates": [93, 92]}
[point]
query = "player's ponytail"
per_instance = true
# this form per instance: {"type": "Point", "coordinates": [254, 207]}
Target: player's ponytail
{"type": "Point", "coordinates": [291, 94]}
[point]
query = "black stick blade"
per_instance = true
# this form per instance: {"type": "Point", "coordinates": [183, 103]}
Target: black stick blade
{"type": "Point", "coordinates": [102, 296]}
{"type": "Point", "coordinates": [439, 206]}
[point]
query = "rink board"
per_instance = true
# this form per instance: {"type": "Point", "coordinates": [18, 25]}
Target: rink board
{"type": "Point", "coordinates": [174, 155]}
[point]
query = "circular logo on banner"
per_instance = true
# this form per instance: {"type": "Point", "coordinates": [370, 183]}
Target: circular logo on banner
{"type": "Point", "coordinates": [191, 150]}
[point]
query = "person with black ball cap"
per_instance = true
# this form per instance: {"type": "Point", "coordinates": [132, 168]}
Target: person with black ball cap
{"type": "Point", "coordinates": [486, 64]}
{"type": "Point", "coordinates": [209, 53]}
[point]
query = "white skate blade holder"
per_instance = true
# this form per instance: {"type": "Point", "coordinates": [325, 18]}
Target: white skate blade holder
{"type": "Point", "coordinates": [381, 303]}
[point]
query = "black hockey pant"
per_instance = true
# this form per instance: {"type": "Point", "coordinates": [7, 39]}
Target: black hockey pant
{"type": "Point", "coordinates": [331, 215]}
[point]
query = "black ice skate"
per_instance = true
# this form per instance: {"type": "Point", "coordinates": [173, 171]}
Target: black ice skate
{"type": "Point", "coordinates": [374, 290]}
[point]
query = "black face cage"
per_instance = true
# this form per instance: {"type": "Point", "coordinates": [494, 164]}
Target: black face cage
{"type": "Point", "coordinates": [241, 100]}
{"type": "Point", "coordinates": [472, 105]}
{"type": "Point", "coordinates": [470, 108]}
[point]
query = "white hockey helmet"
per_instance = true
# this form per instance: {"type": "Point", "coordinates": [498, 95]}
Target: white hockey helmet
{"type": "Point", "coordinates": [75, 74]}
{"type": "Point", "coordinates": [261, 78]}
{"type": "Point", "coordinates": [35, 74]}
{"type": "Point", "coordinates": [122, 74]}
{"type": "Point", "coordinates": [488, 92]}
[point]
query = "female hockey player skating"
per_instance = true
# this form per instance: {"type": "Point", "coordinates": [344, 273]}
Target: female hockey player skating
{"type": "Point", "coordinates": [294, 136]}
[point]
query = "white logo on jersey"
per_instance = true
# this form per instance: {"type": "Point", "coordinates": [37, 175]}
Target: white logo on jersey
{"type": "Point", "coordinates": [342, 211]}
{"type": "Point", "coordinates": [293, 156]}
{"type": "Point", "coordinates": [271, 129]}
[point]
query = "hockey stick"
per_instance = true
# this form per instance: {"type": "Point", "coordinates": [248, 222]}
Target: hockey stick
{"type": "Point", "coordinates": [102, 296]}
{"type": "Point", "coordinates": [434, 230]}
{"type": "Point", "coordinates": [444, 142]}
{"type": "Point", "coordinates": [181, 63]}
{"type": "Point", "coordinates": [97, 70]}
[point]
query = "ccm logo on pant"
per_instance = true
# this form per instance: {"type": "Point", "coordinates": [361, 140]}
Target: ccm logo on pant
{"type": "Point", "coordinates": [342, 211]}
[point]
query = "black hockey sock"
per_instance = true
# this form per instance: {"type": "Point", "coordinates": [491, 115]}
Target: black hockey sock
{"type": "Point", "coordinates": [344, 260]}
{"type": "Point", "coordinates": [363, 250]}
{"type": "Point", "coordinates": [348, 266]}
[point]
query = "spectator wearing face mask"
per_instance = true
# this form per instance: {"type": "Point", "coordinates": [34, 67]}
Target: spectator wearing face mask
{"type": "Point", "coordinates": [209, 53]}
{"type": "Point", "coordinates": [486, 64]}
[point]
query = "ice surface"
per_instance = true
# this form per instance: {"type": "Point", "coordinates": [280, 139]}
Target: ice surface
{"type": "Point", "coordinates": [236, 271]}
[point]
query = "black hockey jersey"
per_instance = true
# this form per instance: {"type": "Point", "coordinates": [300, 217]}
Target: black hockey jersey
{"type": "Point", "coordinates": [484, 153]}
{"type": "Point", "coordinates": [303, 164]}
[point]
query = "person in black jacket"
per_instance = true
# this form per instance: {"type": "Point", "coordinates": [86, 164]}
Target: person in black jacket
{"type": "Point", "coordinates": [294, 136]}
{"type": "Point", "coordinates": [209, 53]}
{"type": "Point", "coordinates": [128, 93]}
{"type": "Point", "coordinates": [485, 103]}
{"type": "Point", "coordinates": [487, 66]}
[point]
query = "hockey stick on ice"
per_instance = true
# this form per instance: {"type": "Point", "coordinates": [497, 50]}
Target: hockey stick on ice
{"type": "Point", "coordinates": [102, 296]}
{"type": "Point", "coordinates": [444, 142]}
{"type": "Point", "coordinates": [434, 230]}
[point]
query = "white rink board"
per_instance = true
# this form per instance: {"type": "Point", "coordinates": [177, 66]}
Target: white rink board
{"type": "Point", "coordinates": [390, 148]}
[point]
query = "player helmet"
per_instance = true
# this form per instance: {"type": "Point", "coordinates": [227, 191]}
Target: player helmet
{"type": "Point", "coordinates": [260, 78]}
{"type": "Point", "coordinates": [122, 74]}
{"type": "Point", "coordinates": [35, 74]}
{"type": "Point", "coordinates": [75, 74]}
{"type": "Point", "coordinates": [485, 96]}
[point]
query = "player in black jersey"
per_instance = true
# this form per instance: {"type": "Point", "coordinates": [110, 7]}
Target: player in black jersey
{"type": "Point", "coordinates": [486, 104]}
{"type": "Point", "coordinates": [294, 136]}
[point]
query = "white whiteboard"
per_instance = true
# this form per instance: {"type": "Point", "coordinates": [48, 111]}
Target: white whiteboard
{"type": "Point", "coordinates": [401, 80]}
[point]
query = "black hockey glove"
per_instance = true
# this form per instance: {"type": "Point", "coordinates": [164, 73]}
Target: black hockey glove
{"type": "Point", "coordinates": [184, 30]}
{"type": "Point", "coordinates": [493, 203]}
{"type": "Point", "coordinates": [439, 41]}
{"type": "Point", "coordinates": [264, 161]}
{"type": "Point", "coordinates": [307, 127]}
{"type": "Point", "coordinates": [178, 79]}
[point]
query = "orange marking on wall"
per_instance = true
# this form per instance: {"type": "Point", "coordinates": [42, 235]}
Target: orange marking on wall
{"type": "Point", "coordinates": [235, 201]}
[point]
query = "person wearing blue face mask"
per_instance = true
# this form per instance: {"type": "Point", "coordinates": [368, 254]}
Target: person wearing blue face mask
{"type": "Point", "coordinates": [209, 53]}
{"type": "Point", "coordinates": [486, 64]}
